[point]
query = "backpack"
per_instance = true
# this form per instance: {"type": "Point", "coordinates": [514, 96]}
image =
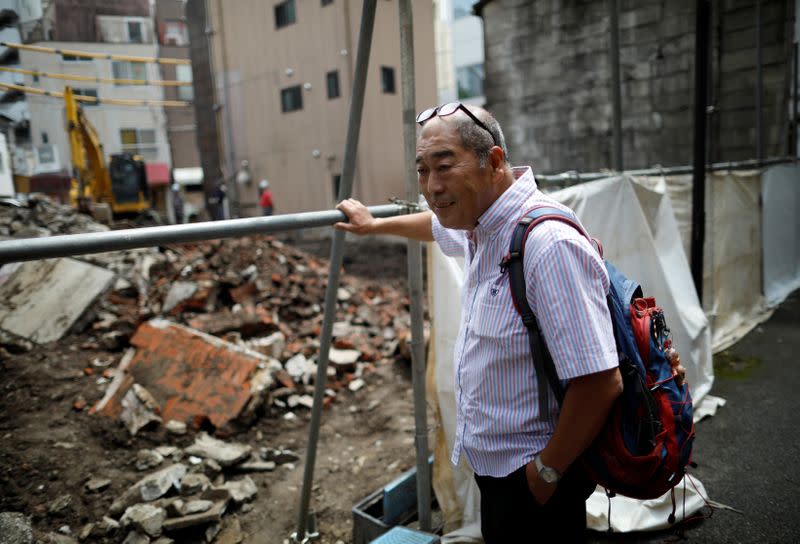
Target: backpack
{"type": "Point", "coordinates": [646, 442]}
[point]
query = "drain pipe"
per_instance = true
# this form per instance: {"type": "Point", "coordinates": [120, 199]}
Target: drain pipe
{"type": "Point", "coordinates": [414, 250]}
{"type": "Point", "coordinates": [337, 247]}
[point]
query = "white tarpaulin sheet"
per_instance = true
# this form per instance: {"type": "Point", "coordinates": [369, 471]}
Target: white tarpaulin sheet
{"type": "Point", "coordinates": [780, 195]}
{"type": "Point", "coordinates": [640, 235]}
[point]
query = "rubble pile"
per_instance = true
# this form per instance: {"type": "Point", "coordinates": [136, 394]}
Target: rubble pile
{"type": "Point", "coordinates": [203, 336]}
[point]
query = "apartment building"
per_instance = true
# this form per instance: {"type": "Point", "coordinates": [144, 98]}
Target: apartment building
{"type": "Point", "coordinates": [285, 70]}
{"type": "Point", "coordinates": [101, 27]}
{"type": "Point", "coordinates": [459, 53]}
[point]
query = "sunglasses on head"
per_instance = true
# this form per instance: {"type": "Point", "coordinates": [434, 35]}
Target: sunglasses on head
{"type": "Point", "coordinates": [449, 109]}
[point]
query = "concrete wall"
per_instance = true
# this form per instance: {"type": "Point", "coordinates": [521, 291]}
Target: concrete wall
{"type": "Point", "coordinates": [300, 151]}
{"type": "Point", "coordinates": [548, 76]}
{"type": "Point", "coordinates": [75, 20]}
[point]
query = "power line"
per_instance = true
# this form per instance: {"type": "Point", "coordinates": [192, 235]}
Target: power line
{"type": "Point", "coordinates": [96, 100]}
{"type": "Point", "coordinates": [94, 55]}
{"type": "Point", "coordinates": [121, 81]}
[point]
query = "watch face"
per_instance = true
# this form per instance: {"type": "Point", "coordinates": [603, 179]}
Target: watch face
{"type": "Point", "coordinates": [549, 475]}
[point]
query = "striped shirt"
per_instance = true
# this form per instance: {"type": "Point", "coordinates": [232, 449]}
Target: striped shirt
{"type": "Point", "coordinates": [498, 424]}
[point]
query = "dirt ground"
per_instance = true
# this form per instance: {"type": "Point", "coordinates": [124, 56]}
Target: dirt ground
{"type": "Point", "coordinates": [49, 450]}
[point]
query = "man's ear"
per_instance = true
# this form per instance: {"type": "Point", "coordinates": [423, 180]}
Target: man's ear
{"type": "Point", "coordinates": [497, 160]}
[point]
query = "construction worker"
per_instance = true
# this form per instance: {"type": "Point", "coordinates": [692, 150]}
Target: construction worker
{"type": "Point", "coordinates": [266, 198]}
{"type": "Point", "coordinates": [177, 203]}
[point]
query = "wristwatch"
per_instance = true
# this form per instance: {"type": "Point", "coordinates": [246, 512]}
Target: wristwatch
{"type": "Point", "coordinates": [548, 474]}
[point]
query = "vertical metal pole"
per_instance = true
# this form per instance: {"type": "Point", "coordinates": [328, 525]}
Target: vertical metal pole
{"type": "Point", "coordinates": [795, 120]}
{"type": "Point", "coordinates": [348, 169]}
{"type": "Point", "coordinates": [616, 91]}
{"type": "Point", "coordinates": [759, 88]}
{"type": "Point", "coordinates": [698, 177]}
{"type": "Point", "coordinates": [233, 188]}
{"type": "Point", "coordinates": [415, 270]}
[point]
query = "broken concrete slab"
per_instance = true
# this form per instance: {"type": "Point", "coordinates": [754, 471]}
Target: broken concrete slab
{"type": "Point", "coordinates": [136, 414]}
{"type": "Point", "coordinates": [225, 453]}
{"type": "Point", "coordinates": [211, 515]}
{"type": "Point", "coordinates": [243, 490]}
{"type": "Point", "coordinates": [97, 484]}
{"type": "Point", "coordinates": [147, 459]}
{"type": "Point", "coordinates": [146, 518]}
{"type": "Point", "coordinates": [194, 377]}
{"type": "Point", "coordinates": [178, 292]}
{"type": "Point", "coordinates": [194, 483]}
{"type": "Point", "coordinates": [249, 321]}
{"type": "Point", "coordinates": [135, 537]}
{"type": "Point", "coordinates": [254, 464]}
{"type": "Point", "coordinates": [344, 357]}
{"type": "Point", "coordinates": [150, 487]}
{"type": "Point", "coordinates": [43, 300]}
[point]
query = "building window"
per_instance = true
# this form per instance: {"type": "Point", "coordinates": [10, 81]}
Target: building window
{"type": "Point", "coordinates": [174, 33]}
{"type": "Point", "coordinates": [337, 182]}
{"type": "Point", "coordinates": [123, 69]}
{"type": "Point", "coordinates": [387, 80]}
{"type": "Point", "coordinates": [470, 80]}
{"type": "Point", "coordinates": [45, 138]}
{"type": "Point", "coordinates": [285, 14]}
{"type": "Point", "coordinates": [73, 58]}
{"type": "Point", "coordinates": [291, 99]}
{"type": "Point", "coordinates": [327, 2]}
{"type": "Point", "coordinates": [183, 72]}
{"type": "Point", "coordinates": [87, 92]}
{"type": "Point", "coordinates": [333, 84]}
{"type": "Point", "coordinates": [135, 31]}
{"type": "Point", "coordinates": [139, 141]}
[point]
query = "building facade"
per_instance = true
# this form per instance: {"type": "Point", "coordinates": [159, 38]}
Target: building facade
{"type": "Point", "coordinates": [548, 76]}
{"type": "Point", "coordinates": [459, 53]}
{"type": "Point", "coordinates": [285, 70]}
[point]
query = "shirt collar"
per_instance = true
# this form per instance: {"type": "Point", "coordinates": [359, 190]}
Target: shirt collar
{"type": "Point", "coordinates": [507, 204]}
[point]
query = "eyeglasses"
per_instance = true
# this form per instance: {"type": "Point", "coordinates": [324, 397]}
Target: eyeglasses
{"type": "Point", "coordinates": [449, 109]}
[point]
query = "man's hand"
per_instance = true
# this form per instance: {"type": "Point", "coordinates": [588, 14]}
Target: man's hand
{"type": "Point", "coordinates": [361, 221]}
{"type": "Point", "coordinates": [541, 490]}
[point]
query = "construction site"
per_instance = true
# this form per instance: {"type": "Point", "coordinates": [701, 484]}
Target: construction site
{"type": "Point", "coordinates": [189, 352]}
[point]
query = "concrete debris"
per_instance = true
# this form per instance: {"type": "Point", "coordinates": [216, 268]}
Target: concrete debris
{"type": "Point", "coordinates": [194, 483]}
{"type": "Point", "coordinates": [300, 368]}
{"type": "Point", "coordinates": [60, 505]}
{"type": "Point", "coordinates": [147, 459]}
{"type": "Point", "coordinates": [280, 457]}
{"type": "Point", "coordinates": [224, 453]}
{"type": "Point", "coordinates": [231, 532]}
{"type": "Point", "coordinates": [356, 384]}
{"type": "Point", "coordinates": [146, 518]}
{"type": "Point", "coordinates": [43, 300]}
{"type": "Point", "coordinates": [136, 414]}
{"type": "Point", "coordinates": [344, 357]}
{"type": "Point", "coordinates": [178, 292]}
{"type": "Point", "coordinates": [15, 528]}
{"type": "Point", "coordinates": [243, 490]}
{"type": "Point", "coordinates": [209, 516]}
{"type": "Point", "coordinates": [176, 427]}
{"type": "Point", "coordinates": [256, 465]}
{"type": "Point", "coordinates": [95, 485]}
{"type": "Point", "coordinates": [150, 487]}
{"type": "Point", "coordinates": [56, 538]}
{"type": "Point", "coordinates": [135, 537]}
{"type": "Point", "coordinates": [271, 346]}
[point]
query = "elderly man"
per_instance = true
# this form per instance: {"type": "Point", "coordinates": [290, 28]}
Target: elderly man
{"type": "Point", "coordinates": [523, 459]}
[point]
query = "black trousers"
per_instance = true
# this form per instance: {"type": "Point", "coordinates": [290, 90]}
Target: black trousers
{"type": "Point", "coordinates": [509, 513]}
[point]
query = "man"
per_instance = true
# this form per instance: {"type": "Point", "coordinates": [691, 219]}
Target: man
{"type": "Point", "coordinates": [265, 201]}
{"type": "Point", "coordinates": [523, 460]}
{"type": "Point", "coordinates": [177, 203]}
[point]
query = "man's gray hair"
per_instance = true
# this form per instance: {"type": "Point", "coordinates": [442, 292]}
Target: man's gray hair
{"type": "Point", "coordinates": [476, 139]}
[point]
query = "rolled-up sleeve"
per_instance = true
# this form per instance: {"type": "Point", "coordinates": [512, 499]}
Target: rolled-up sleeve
{"type": "Point", "coordinates": [567, 285]}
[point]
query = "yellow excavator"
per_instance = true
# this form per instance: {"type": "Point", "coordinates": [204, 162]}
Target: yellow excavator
{"type": "Point", "coordinates": [107, 191]}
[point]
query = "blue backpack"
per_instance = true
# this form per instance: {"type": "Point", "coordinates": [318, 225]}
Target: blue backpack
{"type": "Point", "coordinates": [646, 442]}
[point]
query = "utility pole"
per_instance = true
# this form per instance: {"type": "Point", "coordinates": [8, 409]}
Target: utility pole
{"type": "Point", "coordinates": [204, 104]}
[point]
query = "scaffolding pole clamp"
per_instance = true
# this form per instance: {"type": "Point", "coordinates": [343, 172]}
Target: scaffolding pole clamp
{"type": "Point", "coordinates": [407, 206]}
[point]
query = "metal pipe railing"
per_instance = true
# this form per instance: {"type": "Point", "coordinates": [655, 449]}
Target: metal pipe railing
{"type": "Point", "coordinates": [415, 270]}
{"type": "Point", "coordinates": [337, 251]}
{"type": "Point", "coordinates": [29, 249]}
{"type": "Point", "coordinates": [573, 177]}
{"type": "Point", "coordinates": [616, 86]}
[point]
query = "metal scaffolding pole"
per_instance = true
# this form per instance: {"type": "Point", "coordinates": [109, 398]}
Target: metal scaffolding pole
{"type": "Point", "coordinates": [759, 87]}
{"type": "Point", "coordinates": [616, 90]}
{"type": "Point", "coordinates": [29, 249]}
{"type": "Point", "coordinates": [415, 269]}
{"type": "Point", "coordinates": [348, 170]}
{"type": "Point", "coordinates": [699, 170]}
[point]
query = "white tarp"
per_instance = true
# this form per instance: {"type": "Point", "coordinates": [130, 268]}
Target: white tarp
{"type": "Point", "coordinates": [780, 196]}
{"type": "Point", "coordinates": [640, 235]}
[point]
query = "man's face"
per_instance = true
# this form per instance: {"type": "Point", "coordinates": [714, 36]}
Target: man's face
{"type": "Point", "coordinates": [457, 189]}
